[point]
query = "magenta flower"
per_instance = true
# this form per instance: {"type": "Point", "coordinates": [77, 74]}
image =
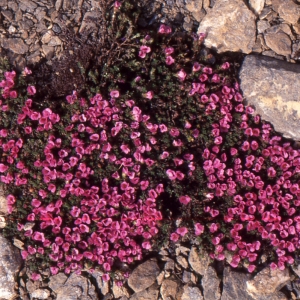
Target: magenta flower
{"type": "Point", "coordinates": [169, 60]}
{"type": "Point", "coordinates": [35, 276]}
{"type": "Point", "coordinates": [184, 199]}
{"type": "Point", "coordinates": [199, 229]}
{"type": "Point", "coordinates": [31, 90]}
{"type": "Point", "coordinates": [3, 168]}
{"type": "Point", "coordinates": [174, 237]}
{"type": "Point", "coordinates": [164, 29]}
{"type": "Point", "coordinates": [114, 94]}
{"type": "Point", "coordinates": [149, 95]}
{"type": "Point", "coordinates": [171, 174]}
{"type": "Point", "coordinates": [181, 75]}
{"type": "Point", "coordinates": [196, 67]}
{"type": "Point", "coordinates": [182, 231]}
{"type": "Point", "coordinates": [105, 277]}
{"type": "Point", "coordinates": [169, 50]}
{"type": "Point", "coordinates": [146, 245]}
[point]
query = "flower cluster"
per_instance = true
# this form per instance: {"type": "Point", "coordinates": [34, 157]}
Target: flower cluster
{"type": "Point", "coordinates": [103, 178]}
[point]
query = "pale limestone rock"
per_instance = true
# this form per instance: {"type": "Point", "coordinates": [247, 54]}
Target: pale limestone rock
{"type": "Point", "coordinates": [191, 293]}
{"type": "Point", "coordinates": [266, 85]}
{"type": "Point", "coordinates": [198, 261]}
{"type": "Point", "coordinates": [150, 293]}
{"type": "Point", "coordinates": [41, 294]}
{"type": "Point", "coordinates": [120, 291]}
{"type": "Point", "coordinates": [16, 45]}
{"type": "Point", "coordinates": [10, 263]}
{"type": "Point", "coordinates": [262, 25]}
{"type": "Point", "coordinates": [144, 275]}
{"type": "Point", "coordinates": [220, 26]}
{"type": "Point", "coordinates": [257, 5]}
{"type": "Point", "coordinates": [102, 285]}
{"type": "Point", "coordinates": [234, 285]}
{"type": "Point", "coordinates": [169, 289]}
{"type": "Point", "coordinates": [289, 11]}
{"type": "Point", "coordinates": [273, 279]}
{"type": "Point", "coordinates": [211, 285]}
{"type": "Point", "coordinates": [279, 42]}
{"type": "Point", "coordinates": [182, 261]}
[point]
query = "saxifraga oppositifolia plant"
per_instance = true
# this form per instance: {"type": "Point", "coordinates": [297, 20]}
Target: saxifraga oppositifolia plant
{"type": "Point", "coordinates": [157, 146]}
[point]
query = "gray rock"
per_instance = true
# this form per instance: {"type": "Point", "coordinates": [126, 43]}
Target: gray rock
{"type": "Point", "coordinates": [279, 42]}
{"type": "Point", "coordinates": [198, 261]}
{"type": "Point", "coordinates": [40, 294]}
{"type": "Point", "coordinates": [16, 45]}
{"type": "Point", "coordinates": [27, 5]}
{"type": "Point", "coordinates": [274, 280]}
{"type": "Point", "coordinates": [234, 285]}
{"type": "Point", "coordinates": [220, 26]}
{"type": "Point", "coordinates": [10, 263]}
{"type": "Point", "coordinates": [211, 285]}
{"type": "Point", "coordinates": [168, 289]}
{"type": "Point", "coordinates": [262, 25]}
{"type": "Point", "coordinates": [191, 293]}
{"type": "Point", "coordinates": [266, 84]}
{"type": "Point", "coordinates": [149, 294]}
{"type": "Point", "coordinates": [102, 285]}
{"type": "Point", "coordinates": [57, 281]}
{"type": "Point", "coordinates": [289, 11]}
{"type": "Point", "coordinates": [144, 275]}
{"type": "Point", "coordinates": [257, 5]}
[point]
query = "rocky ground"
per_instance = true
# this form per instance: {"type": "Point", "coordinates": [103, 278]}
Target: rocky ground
{"type": "Point", "coordinates": [267, 33]}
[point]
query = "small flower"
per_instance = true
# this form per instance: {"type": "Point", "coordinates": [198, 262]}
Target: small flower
{"type": "Point", "coordinates": [174, 237]}
{"type": "Point", "coordinates": [164, 29]}
{"type": "Point", "coordinates": [199, 229]}
{"type": "Point", "coordinates": [169, 60]}
{"type": "Point", "coordinates": [35, 276]}
{"type": "Point", "coordinates": [182, 231]}
{"type": "Point", "coordinates": [184, 199]}
{"type": "Point", "coordinates": [31, 90]}
{"type": "Point", "coordinates": [196, 67]}
{"type": "Point", "coordinates": [181, 75]}
{"type": "Point", "coordinates": [114, 94]}
{"type": "Point", "coordinates": [169, 50]}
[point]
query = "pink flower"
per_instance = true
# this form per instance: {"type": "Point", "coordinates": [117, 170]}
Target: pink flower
{"type": "Point", "coordinates": [179, 175]}
{"type": "Point", "coordinates": [143, 51]}
{"type": "Point", "coordinates": [218, 140]}
{"type": "Point", "coordinates": [35, 276]}
{"type": "Point", "coordinates": [174, 237]}
{"type": "Point", "coordinates": [181, 75]}
{"type": "Point", "coordinates": [182, 231]}
{"type": "Point", "coordinates": [3, 168]}
{"type": "Point", "coordinates": [164, 155]}
{"type": "Point", "coordinates": [215, 78]}
{"type": "Point", "coordinates": [251, 268]}
{"type": "Point", "coordinates": [164, 29]}
{"type": "Point", "coordinates": [163, 128]}
{"type": "Point", "coordinates": [169, 50]}
{"type": "Point", "coordinates": [171, 174]}
{"type": "Point", "coordinates": [31, 90]}
{"type": "Point", "coordinates": [144, 184]}
{"type": "Point", "coordinates": [213, 227]}
{"type": "Point", "coordinates": [184, 199]}
{"type": "Point", "coordinates": [225, 66]}
{"type": "Point", "coordinates": [196, 67]}
{"type": "Point", "coordinates": [105, 277]}
{"type": "Point", "coordinates": [114, 94]}
{"type": "Point", "coordinates": [199, 229]}
{"type": "Point", "coordinates": [38, 236]}
{"type": "Point", "coordinates": [169, 60]}
{"type": "Point", "coordinates": [146, 245]}
{"type": "Point", "coordinates": [149, 95]}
